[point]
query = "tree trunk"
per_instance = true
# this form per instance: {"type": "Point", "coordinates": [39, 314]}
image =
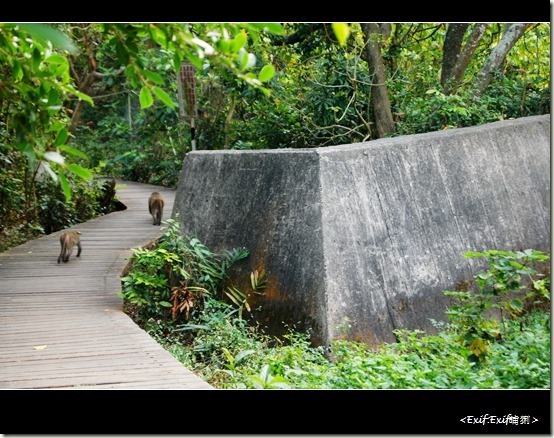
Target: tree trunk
{"type": "Point", "coordinates": [497, 57]}
{"type": "Point", "coordinates": [379, 92]}
{"type": "Point", "coordinates": [451, 50]}
{"type": "Point", "coordinates": [228, 122]}
{"type": "Point", "coordinates": [86, 87]}
{"type": "Point", "coordinates": [84, 81]}
{"type": "Point", "coordinates": [462, 58]}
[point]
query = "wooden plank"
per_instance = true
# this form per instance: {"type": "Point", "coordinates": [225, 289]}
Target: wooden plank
{"type": "Point", "coordinates": [72, 311]}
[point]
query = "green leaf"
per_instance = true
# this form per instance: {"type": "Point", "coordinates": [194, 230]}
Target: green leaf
{"type": "Point", "coordinates": [177, 62]}
{"type": "Point", "coordinates": [222, 45]}
{"type": "Point", "coordinates": [342, 32]}
{"type": "Point", "coordinates": [132, 75]}
{"type": "Point", "coordinates": [163, 96]}
{"type": "Point", "coordinates": [266, 73]}
{"type": "Point", "coordinates": [154, 77]}
{"type": "Point", "coordinates": [274, 28]}
{"type": "Point", "coordinates": [243, 354]}
{"type": "Point", "coordinates": [165, 304]}
{"type": "Point", "coordinates": [17, 72]}
{"type": "Point", "coordinates": [56, 125]}
{"type": "Point", "coordinates": [46, 32]}
{"type": "Point", "coordinates": [121, 52]}
{"type": "Point", "coordinates": [516, 305]}
{"type": "Point", "coordinates": [80, 171]}
{"type": "Point", "coordinates": [53, 98]}
{"type": "Point", "coordinates": [65, 186]}
{"type": "Point", "coordinates": [80, 95]}
{"type": "Point", "coordinates": [158, 35]}
{"type": "Point", "coordinates": [145, 98]}
{"type": "Point", "coordinates": [73, 151]}
{"type": "Point", "coordinates": [195, 60]}
{"type": "Point", "coordinates": [264, 90]}
{"type": "Point", "coordinates": [36, 57]}
{"type": "Point", "coordinates": [84, 97]}
{"type": "Point", "coordinates": [474, 254]}
{"type": "Point", "coordinates": [61, 137]}
{"type": "Point", "coordinates": [239, 42]}
{"type": "Point", "coordinates": [228, 355]}
{"type": "Point", "coordinates": [56, 59]}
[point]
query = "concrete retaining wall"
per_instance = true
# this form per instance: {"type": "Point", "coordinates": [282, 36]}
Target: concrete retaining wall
{"type": "Point", "coordinates": [370, 233]}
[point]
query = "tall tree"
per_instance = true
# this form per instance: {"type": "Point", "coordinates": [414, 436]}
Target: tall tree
{"type": "Point", "coordinates": [512, 33]}
{"type": "Point", "coordinates": [451, 50]}
{"type": "Point", "coordinates": [84, 75]}
{"type": "Point", "coordinates": [384, 121]}
{"type": "Point", "coordinates": [456, 55]}
{"type": "Point", "coordinates": [374, 34]}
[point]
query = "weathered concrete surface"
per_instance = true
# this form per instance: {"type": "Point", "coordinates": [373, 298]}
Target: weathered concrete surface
{"type": "Point", "coordinates": [370, 232]}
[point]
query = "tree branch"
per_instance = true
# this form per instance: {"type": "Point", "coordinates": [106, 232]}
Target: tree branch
{"type": "Point", "coordinates": [510, 36]}
{"type": "Point", "coordinates": [300, 35]}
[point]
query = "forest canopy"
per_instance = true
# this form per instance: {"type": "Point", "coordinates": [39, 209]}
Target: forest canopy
{"type": "Point", "coordinates": [82, 100]}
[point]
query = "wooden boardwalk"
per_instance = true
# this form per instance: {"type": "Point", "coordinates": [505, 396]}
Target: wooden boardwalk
{"type": "Point", "coordinates": [62, 325]}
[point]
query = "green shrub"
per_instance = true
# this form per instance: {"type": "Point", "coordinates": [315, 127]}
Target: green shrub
{"type": "Point", "coordinates": [230, 351]}
{"type": "Point", "coordinates": [34, 207]}
{"type": "Point", "coordinates": [510, 287]}
{"type": "Point", "coordinates": [170, 278]}
{"type": "Point", "coordinates": [55, 213]}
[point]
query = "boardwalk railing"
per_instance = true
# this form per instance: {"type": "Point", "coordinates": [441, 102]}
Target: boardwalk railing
{"type": "Point", "coordinates": [62, 325]}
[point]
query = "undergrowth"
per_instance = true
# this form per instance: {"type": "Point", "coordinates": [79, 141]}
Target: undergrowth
{"type": "Point", "coordinates": [497, 335]}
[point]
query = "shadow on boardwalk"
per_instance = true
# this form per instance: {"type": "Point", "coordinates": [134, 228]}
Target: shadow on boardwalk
{"type": "Point", "coordinates": [62, 325]}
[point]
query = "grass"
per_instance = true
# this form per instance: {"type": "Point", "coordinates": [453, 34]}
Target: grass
{"type": "Point", "coordinates": [228, 352]}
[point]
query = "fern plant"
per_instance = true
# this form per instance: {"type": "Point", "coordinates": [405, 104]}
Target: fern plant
{"type": "Point", "coordinates": [171, 277]}
{"type": "Point", "coordinates": [258, 281]}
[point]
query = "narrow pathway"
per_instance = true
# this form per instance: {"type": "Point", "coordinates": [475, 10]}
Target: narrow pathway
{"type": "Point", "coordinates": [62, 325]}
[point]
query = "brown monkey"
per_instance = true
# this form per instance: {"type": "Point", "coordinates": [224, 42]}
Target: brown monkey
{"type": "Point", "coordinates": [68, 239]}
{"type": "Point", "coordinates": [156, 208]}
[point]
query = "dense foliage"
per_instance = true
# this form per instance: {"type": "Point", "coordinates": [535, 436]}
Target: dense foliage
{"type": "Point", "coordinates": [320, 95]}
{"type": "Point", "coordinates": [169, 279]}
{"type": "Point", "coordinates": [79, 99]}
{"type": "Point", "coordinates": [49, 73]}
{"type": "Point", "coordinates": [34, 205]}
{"type": "Point", "coordinates": [497, 334]}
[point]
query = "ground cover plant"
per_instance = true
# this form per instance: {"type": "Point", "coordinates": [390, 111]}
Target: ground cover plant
{"type": "Point", "coordinates": [496, 335]}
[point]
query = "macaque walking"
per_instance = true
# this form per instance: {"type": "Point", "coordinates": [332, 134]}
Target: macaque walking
{"type": "Point", "coordinates": [68, 240]}
{"type": "Point", "coordinates": [156, 208]}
